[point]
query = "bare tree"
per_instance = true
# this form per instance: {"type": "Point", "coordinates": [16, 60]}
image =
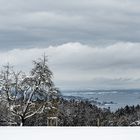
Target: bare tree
{"type": "Point", "coordinates": [29, 95]}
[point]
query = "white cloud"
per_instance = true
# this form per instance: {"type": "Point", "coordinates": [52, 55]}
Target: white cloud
{"type": "Point", "coordinates": [78, 65]}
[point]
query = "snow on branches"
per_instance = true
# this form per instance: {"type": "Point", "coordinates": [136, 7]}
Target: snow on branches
{"type": "Point", "coordinates": [29, 95]}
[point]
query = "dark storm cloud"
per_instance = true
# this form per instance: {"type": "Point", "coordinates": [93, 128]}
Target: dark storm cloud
{"type": "Point", "coordinates": [31, 23]}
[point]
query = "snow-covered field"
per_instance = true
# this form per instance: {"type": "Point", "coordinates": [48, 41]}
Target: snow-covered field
{"type": "Point", "coordinates": [70, 133]}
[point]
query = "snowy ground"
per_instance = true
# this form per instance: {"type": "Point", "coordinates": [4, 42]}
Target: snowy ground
{"type": "Point", "coordinates": [70, 133]}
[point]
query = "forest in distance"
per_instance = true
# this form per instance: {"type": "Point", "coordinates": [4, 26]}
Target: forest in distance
{"type": "Point", "coordinates": [34, 100]}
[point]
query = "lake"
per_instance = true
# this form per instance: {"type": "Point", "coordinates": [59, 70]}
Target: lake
{"type": "Point", "coordinates": [112, 99]}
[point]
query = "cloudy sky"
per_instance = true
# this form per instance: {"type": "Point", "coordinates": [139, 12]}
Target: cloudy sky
{"type": "Point", "coordinates": [89, 43]}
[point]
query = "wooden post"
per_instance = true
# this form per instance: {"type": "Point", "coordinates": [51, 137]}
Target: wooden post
{"type": "Point", "coordinates": [52, 121]}
{"type": "Point", "coordinates": [98, 122]}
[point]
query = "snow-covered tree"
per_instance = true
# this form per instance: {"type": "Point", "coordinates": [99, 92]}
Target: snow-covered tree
{"type": "Point", "coordinates": [29, 95]}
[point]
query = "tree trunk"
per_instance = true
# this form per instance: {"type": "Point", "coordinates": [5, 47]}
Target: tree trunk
{"type": "Point", "coordinates": [22, 121]}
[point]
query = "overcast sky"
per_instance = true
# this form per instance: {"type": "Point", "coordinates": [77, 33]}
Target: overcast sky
{"type": "Point", "coordinates": [89, 43]}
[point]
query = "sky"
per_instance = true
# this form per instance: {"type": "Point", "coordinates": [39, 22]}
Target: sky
{"type": "Point", "coordinates": [90, 44]}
